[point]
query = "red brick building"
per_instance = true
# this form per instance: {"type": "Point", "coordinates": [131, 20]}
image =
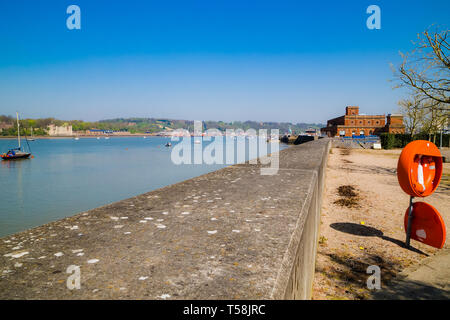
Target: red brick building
{"type": "Point", "coordinates": [355, 124]}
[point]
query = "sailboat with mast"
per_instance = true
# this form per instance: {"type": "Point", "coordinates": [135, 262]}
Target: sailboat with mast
{"type": "Point", "coordinates": [16, 153]}
{"type": "Point", "coordinates": [32, 137]}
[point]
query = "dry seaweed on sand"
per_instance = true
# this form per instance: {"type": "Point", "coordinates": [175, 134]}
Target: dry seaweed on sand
{"type": "Point", "coordinates": [347, 191]}
{"type": "Point", "coordinates": [349, 197]}
{"type": "Point", "coordinates": [348, 202]}
{"type": "Point", "coordinates": [345, 151]}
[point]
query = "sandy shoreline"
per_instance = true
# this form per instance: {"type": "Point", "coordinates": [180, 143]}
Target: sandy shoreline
{"type": "Point", "coordinates": [371, 233]}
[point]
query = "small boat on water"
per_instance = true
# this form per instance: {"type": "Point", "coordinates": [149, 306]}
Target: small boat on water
{"type": "Point", "coordinates": [16, 153]}
{"type": "Point", "coordinates": [76, 138]}
{"type": "Point", "coordinates": [31, 138]}
{"type": "Point", "coordinates": [197, 141]}
{"type": "Point", "coordinates": [273, 139]}
{"type": "Point", "coordinates": [168, 144]}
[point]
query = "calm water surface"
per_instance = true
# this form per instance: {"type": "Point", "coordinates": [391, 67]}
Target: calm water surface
{"type": "Point", "coordinates": [67, 176]}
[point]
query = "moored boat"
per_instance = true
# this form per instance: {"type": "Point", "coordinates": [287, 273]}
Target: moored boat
{"type": "Point", "coordinates": [31, 138]}
{"type": "Point", "coordinates": [16, 153]}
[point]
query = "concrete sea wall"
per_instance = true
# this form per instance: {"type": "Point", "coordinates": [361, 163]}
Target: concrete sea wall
{"type": "Point", "coordinates": [297, 272]}
{"type": "Point", "coordinates": [229, 234]}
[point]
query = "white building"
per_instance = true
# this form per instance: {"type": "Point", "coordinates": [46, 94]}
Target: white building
{"type": "Point", "coordinates": [64, 130]}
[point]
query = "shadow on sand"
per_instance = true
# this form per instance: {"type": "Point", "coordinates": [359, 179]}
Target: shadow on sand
{"type": "Point", "coordinates": [361, 230]}
{"type": "Point", "coordinates": [392, 287]}
{"type": "Point", "coordinates": [403, 289]}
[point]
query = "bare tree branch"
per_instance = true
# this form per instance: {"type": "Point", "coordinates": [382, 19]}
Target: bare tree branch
{"type": "Point", "coordinates": [426, 70]}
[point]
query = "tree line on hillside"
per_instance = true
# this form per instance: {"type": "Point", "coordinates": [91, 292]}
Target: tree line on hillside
{"type": "Point", "coordinates": [143, 125]}
{"type": "Point", "coordinates": [10, 126]}
{"type": "Point", "coordinates": [155, 125]}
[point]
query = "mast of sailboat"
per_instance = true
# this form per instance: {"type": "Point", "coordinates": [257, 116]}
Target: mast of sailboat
{"type": "Point", "coordinates": [18, 128]}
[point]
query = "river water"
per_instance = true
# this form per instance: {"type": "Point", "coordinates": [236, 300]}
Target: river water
{"type": "Point", "coordinates": [68, 176]}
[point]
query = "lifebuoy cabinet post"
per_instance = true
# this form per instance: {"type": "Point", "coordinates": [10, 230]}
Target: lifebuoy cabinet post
{"type": "Point", "coordinates": [419, 168]}
{"type": "Point", "coordinates": [427, 225]}
{"type": "Point", "coordinates": [419, 171]}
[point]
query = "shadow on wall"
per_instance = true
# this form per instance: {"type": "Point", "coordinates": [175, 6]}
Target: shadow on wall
{"type": "Point", "coordinates": [361, 230]}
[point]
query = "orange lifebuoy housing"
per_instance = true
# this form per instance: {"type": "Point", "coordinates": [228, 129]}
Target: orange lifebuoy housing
{"type": "Point", "coordinates": [427, 225]}
{"type": "Point", "coordinates": [419, 168]}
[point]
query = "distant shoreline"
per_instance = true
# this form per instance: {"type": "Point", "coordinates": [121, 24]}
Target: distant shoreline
{"type": "Point", "coordinates": [72, 137]}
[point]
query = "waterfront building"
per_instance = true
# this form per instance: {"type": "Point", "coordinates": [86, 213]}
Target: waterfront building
{"type": "Point", "coordinates": [355, 124]}
{"type": "Point", "coordinates": [102, 132]}
{"type": "Point", "coordinates": [4, 125]}
{"type": "Point", "coordinates": [64, 130]}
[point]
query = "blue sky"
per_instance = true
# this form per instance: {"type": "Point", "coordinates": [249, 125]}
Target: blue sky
{"type": "Point", "coordinates": [207, 60]}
